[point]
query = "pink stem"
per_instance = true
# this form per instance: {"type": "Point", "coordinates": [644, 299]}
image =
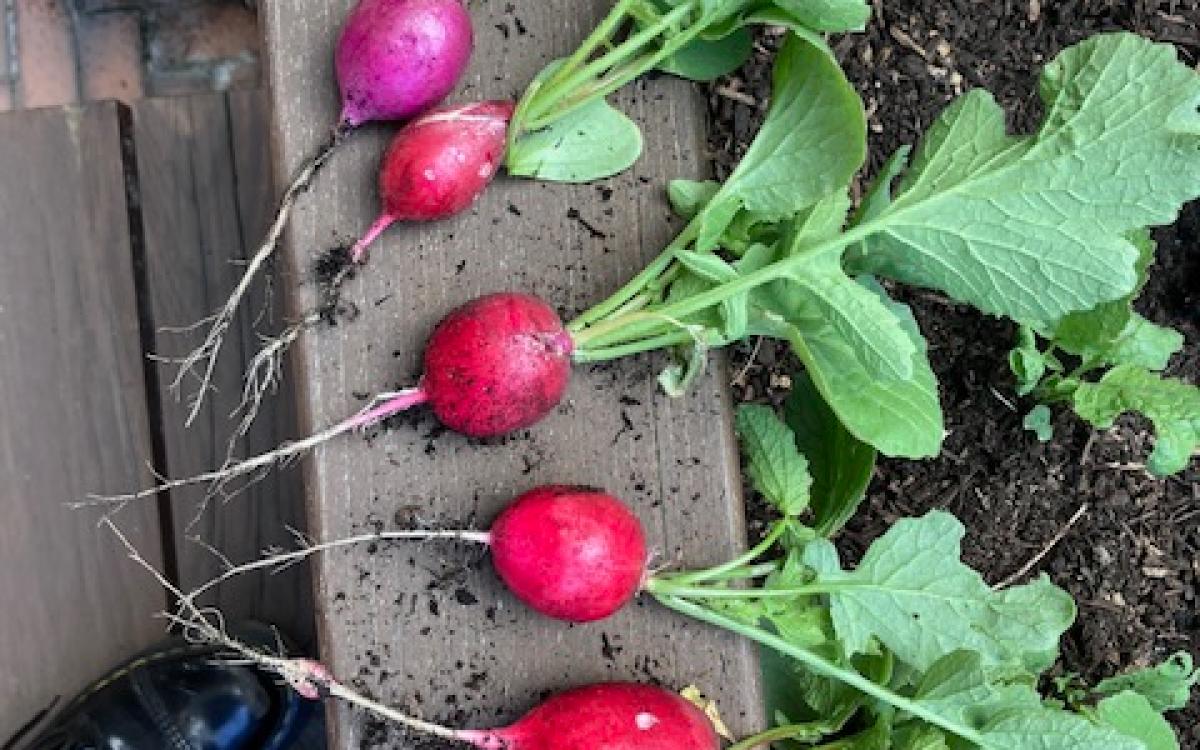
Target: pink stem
{"type": "Point", "coordinates": [381, 410]}
{"type": "Point", "coordinates": [360, 247]}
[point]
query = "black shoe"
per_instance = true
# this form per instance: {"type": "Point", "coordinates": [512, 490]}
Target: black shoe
{"type": "Point", "coordinates": [181, 696]}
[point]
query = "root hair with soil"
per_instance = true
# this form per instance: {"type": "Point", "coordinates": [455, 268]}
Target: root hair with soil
{"type": "Point", "coordinates": [201, 362]}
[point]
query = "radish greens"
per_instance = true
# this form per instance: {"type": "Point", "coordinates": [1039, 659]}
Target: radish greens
{"type": "Point", "coordinates": [910, 649]}
{"type": "Point", "coordinates": [564, 130]}
{"type": "Point", "coordinates": [1046, 229]}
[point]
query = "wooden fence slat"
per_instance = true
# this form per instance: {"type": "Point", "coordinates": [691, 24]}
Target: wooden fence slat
{"type": "Point", "coordinates": [461, 648]}
{"type": "Point", "coordinates": [73, 415]}
{"type": "Point", "coordinates": [205, 195]}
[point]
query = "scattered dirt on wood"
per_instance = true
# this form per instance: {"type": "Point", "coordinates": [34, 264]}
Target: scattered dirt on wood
{"type": "Point", "coordinates": [1131, 559]}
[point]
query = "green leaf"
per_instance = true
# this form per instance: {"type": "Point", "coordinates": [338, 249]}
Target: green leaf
{"type": "Point", "coordinates": [820, 221]}
{"type": "Point", "coordinates": [1027, 361]}
{"type": "Point", "coordinates": [676, 379]}
{"type": "Point", "coordinates": [1051, 729]}
{"type": "Point", "coordinates": [879, 196]}
{"type": "Point", "coordinates": [897, 417]}
{"type": "Point", "coordinates": [1171, 404]}
{"type": "Point", "coordinates": [1008, 715]}
{"type": "Point", "coordinates": [1090, 334]}
{"type": "Point", "coordinates": [812, 141]}
{"type": "Point", "coordinates": [1039, 422]}
{"type": "Point", "coordinates": [688, 197]}
{"type": "Point", "coordinates": [1142, 343]}
{"type": "Point", "coordinates": [777, 469]}
{"type": "Point", "coordinates": [919, 737]}
{"type": "Point", "coordinates": [735, 313]}
{"type": "Point", "coordinates": [956, 686]}
{"type": "Point", "coordinates": [840, 464]}
{"type": "Point", "coordinates": [707, 266]}
{"type": "Point", "coordinates": [1133, 716]}
{"type": "Point", "coordinates": [1036, 227]}
{"type": "Point", "coordinates": [594, 141]}
{"type": "Point", "coordinates": [821, 300]}
{"type": "Point", "coordinates": [709, 59]}
{"type": "Point", "coordinates": [828, 15]}
{"type": "Point", "coordinates": [877, 737]}
{"type": "Point", "coordinates": [913, 593]}
{"type": "Point", "coordinates": [1166, 686]}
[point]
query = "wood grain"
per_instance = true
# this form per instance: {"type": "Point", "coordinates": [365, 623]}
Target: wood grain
{"type": "Point", "coordinates": [73, 415]}
{"type": "Point", "coordinates": [204, 170]}
{"type": "Point", "coordinates": [416, 625]}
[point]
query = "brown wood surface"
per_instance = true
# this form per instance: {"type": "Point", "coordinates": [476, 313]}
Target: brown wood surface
{"type": "Point", "coordinates": [73, 415]}
{"type": "Point", "coordinates": [203, 166]}
{"type": "Point", "coordinates": [415, 625]}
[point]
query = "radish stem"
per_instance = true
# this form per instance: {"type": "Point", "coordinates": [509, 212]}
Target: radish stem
{"type": "Point", "coordinates": [359, 250]}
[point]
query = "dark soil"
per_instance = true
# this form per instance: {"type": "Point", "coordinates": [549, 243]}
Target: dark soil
{"type": "Point", "coordinates": [1132, 560]}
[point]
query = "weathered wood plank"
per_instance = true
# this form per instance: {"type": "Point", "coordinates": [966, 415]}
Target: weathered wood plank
{"type": "Point", "coordinates": [465, 650]}
{"type": "Point", "coordinates": [73, 415]}
{"type": "Point", "coordinates": [206, 190]}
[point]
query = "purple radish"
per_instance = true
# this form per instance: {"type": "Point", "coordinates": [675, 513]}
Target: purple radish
{"type": "Point", "coordinates": [397, 58]}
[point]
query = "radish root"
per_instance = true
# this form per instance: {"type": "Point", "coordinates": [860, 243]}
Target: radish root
{"type": "Point", "coordinates": [263, 375]}
{"type": "Point", "coordinates": [380, 408]}
{"type": "Point", "coordinates": [308, 678]}
{"type": "Point", "coordinates": [279, 561]}
{"type": "Point", "coordinates": [201, 361]}
{"type": "Point", "coordinates": [265, 371]}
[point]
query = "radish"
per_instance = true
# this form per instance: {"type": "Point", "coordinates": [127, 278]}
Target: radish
{"type": "Point", "coordinates": [494, 365]}
{"type": "Point", "coordinates": [603, 716]}
{"type": "Point", "coordinates": [438, 165]}
{"type": "Point", "coordinates": [607, 716]}
{"type": "Point", "coordinates": [570, 553]}
{"type": "Point", "coordinates": [395, 59]}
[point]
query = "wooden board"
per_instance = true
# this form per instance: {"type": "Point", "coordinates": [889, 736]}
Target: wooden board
{"type": "Point", "coordinates": [413, 625]}
{"type": "Point", "coordinates": [206, 194]}
{"type": "Point", "coordinates": [73, 415]}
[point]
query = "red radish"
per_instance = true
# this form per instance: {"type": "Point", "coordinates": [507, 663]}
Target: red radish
{"type": "Point", "coordinates": [497, 364]}
{"type": "Point", "coordinates": [570, 553]}
{"type": "Point", "coordinates": [603, 716]}
{"type": "Point", "coordinates": [394, 59]}
{"type": "Point", "coordinates": [438, 165]}
{"type": "Point", "coordinates": [607, 716]}
{"type": "Point", "coordinates": [397, 58]}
